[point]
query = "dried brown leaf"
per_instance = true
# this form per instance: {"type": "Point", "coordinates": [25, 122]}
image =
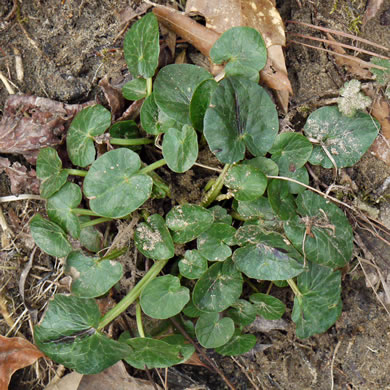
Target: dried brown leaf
{"type": "Point", "coordinates": [15, 353]}
{"type": "Point", "coordinates": [113, 95]}
{"type": "Point", "coordinates": [372, 9]}
{"type": "Point", "coordinates": [68, 382]}
{"type": "Point", "coordinates": [127, 14]}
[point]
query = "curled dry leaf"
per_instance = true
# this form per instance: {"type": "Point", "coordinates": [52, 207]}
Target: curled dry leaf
{"type": "Point", "coordinates": [30, 123]}
{"type": "Point", "coordinates": [113, 95]}
{"type": "Point", "coordinates": [372, 9]}
{"type": "Point", "coordinates": [15, 353]}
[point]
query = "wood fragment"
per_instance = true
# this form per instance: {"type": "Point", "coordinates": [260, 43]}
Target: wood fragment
{"type": "Point", "coordinates": [18, 65]}
{"type": "Point", "coordinates": [7, 84]}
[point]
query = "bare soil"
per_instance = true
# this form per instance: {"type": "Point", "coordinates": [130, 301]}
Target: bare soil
{"type": "Point", "coordinates": [67, 47]}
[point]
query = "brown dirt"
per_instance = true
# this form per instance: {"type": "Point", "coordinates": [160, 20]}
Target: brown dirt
{"type": "Point", "coordinates": [75, 48]}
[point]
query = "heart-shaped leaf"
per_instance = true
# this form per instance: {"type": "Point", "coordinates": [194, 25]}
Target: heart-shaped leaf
{"type": "Point", "coordinates": [114, 185]}
{"type": "Point", "coordinates": [186, 351]}
{"type": "Point", "coordinates": [246, 182]}
{"type": "Point", "coordinates": [134, 89]}
{"type": "Point", "coordinates": [190, 310]}
{"type": "Point", "coordinates": [49, 170]}
{"type": "Point", "coordinates": [180, 148]}
{"type": "Point", "coordinates": [218, 288]}
{"type": "Point", "coordinates": [259, 208]}
{"type": "Point", "coordinates": [213, 331]}
{"type": "Point", "coordinates": [346, 139]}
{"type": "Point", "coordinates": [163, 297]}
{"type": "Point", "coordinates": [300, 175]}
{"type": "Point", "coordinates": [213, 244]}
{"type": "Point", "coordinates": [233, 120]}
{"type": "Point", "coordinates": [68, 335]}
{"type": "Point", "coordinates": [59, 208]}
{"type": "Point", "coordinates": [174, 87]}
{"type": "Point", "coordinates": [188, 221]}
{"type": "Point", "coordinates": [319, 306]}
{"type": "Point", "coordinates": [267, 306]}
{"type": "Point", "coordinates": [92, 276]}
{"type": "Point", "coordinates": [141, 46]}
{"type": "Point", "coordinates": [242, 312]}
{"type": "Point", "coordinates": [238, 344]}
{"type": "Point", "coordinates": [266, 165]}
{"type": "Point", "coordinates": [49, 237]}
{"type": "Point", "coordinates": [321, 231]}
{"type": "Point", "coordinates": [281, 199]}
{"type": "Point", "coordinates": [90, 238]}
{"type": "Point", "coordinates": [243, 49]}
{"type": "Point", "coordinates": [124, 129]}
{"type": "Point", "coordinates": [88, 123]}
{"type": "Point", "coordinates": [193, 265]}
{"type": "Point", "coordinates": [221, 215]}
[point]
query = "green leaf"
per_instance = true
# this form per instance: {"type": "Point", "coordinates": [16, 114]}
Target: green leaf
{"type": "Point", "coordinates": [124, 129]}
{"type": "Point", "coordinates": [246, 182]}
{"type": "Point", "coordinates": [49, 237]}
{"type": "Point", "coordinates": [238, 344]}
{"type": "Point", "coordinates": [180, 148]}
{"type": "Point", "coordinates": [300, 175]}
{"type": "Point", "coordinates": [153, 240]}
{"type": "Point", "coordinates": [213, 244]}
{"type": "Point", "coordinates": [49, 170]}
{"type": "Point", "coordinates": [152, 353]}
{"type": "Point", "coordinates": [190, 310]}
{"type": "Point", "coordinates": [382, 76]}
{"type": "Point", "coordinates": [193, 265]}
{"type": "Point", "coordinates": [142, 47]}
{"type": "Point", "coordinates": [134, 89]}
{"type": "Point", "coordinates": [345, 139]}
{"type": "Point", "coordinates": [243, 49]}
{"type": "Point", "coordinates": [213, 331]}
{"type": "Point", "coordinates": [234, 121]}
{"type": "Point", "coordinates": [218, 288]}
{"type": "Point", "coordinates": [88, 123]}
{"type": "Point", "coordinates": [266, 165]}
{"type": "Point", "coordinates": [163, 297]}
{"type": "Point", "coordinates": [281, 199]}
{"type": "Point", "coordinates": [330, 239]}
{"type": "Point", "coordinates": [221, 215]}
{"type": "Point", "coordinates": [59, 208]}
{"type": "Point", "coordinates": [92, 276]}
{"type": "Point", "coordinates": [200, 101]}
{"type": "Point", "coordinates": [259, 208]}
{"type": "Point", "coordinates": [68, 335]}
{"type": "Point", "coordinates": [186, 351]}
{"type": "Point", "coordinates": [267, 306]}
{"type": "Point", "coordinates": [174, 87]}
{"type": "Point", "coordinates": [242, 312]}
{"type": "Point", "coordinates": [319, 306]}
{"type": "Point", "coordinates": [110, 181]}
{"type": "Point", "coordinates": [90, 238]}
{"type": "Point", "coordinates": [188, 221]}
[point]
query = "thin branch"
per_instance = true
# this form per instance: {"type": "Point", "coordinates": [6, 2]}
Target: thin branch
{"type": "Point", "coordinates": [13, 198]}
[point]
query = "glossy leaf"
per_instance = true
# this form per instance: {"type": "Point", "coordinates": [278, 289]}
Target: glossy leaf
{"type": "Point", "coordinates": [213, 331]}
{"type": "Point", "coordinates": [49, 237]}
{"type": "Point", "coordinates": [134, 89]}
{"type": "Point", "coordinates": [124, 129]}
{"type": "Point", "coordinates": [174, 87]}
{"type": "Point", "coordinates": [92, 276]}
{"type": "Point", "coordinates": [267, 306]}
{"type": "Point", "coordinates": [49, 170]}
{"type": "Point", "coordinates": [141, 46]}
{"type": "Point", "coordinates": [90, 238]}
{"type": "Point", "coordinates": [88, 123]}
{"type": "Point", "coordinates": [218, 288]}
{"type": "Point", "coordinates": [266, 165]}
{"type": "Point", "coordinates": [188, 221]}
{"type": "Point", "coordinates": [242, 312]}
{"type": "Point", "coordinates": [281, 199]}
{"type": "Point", "coordinates": [114, 186]}
{"type": "Point", "coordinates": [68, 335]}
{"type": "Point", "coordinates": [346, 139]}
{"type": "Point", "coordinates": [238, 344]}
{"type": "Point", "coordinates": [163, 297]}
{"type": "Point", "coordinates": [193, 265]}
{"type": "Point", "coordinates": [180, 148]}
{"type": "Point", "coordinates": [152, 238]}
{"type": "Point", "coordinates": [299, 174]}
{"type": "Point", "coordinates": [59, 208]}
{"type": "Point", "coordinates": [321, 231]}
{"type": "Point", "coordinates": [190, 310]}
{"type": "Point", "coordinates": [233, 121]}
{"type": "Point", "coordinates": [319, 306]}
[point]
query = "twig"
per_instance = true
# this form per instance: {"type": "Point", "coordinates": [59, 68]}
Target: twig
{"type": "Point", "coordinates": [13, 198]}
{"type": "Point", "coordinates": [244, 371]}
{"type": "Point", "coordinates": [12, 12]}
{"type": "Point", "coordinates": [7, 84]}
{"type": "Point", "coordinates": [332, 364]}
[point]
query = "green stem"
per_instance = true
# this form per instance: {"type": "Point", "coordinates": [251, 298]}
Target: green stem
{"type": "Point", "coordinates": [114, 254]}
{"type": "Point", "coordinates": [85, 212]}
{"type": "Point", "coordinates": [149, 86]}
{"type": "Point", "coordinates": [153, 166]}
{"type": "Point", "coordinates": [132, 295]}
{"type": "Point", "coordinates": [95, 222]}
{"type": "Point", "coordinates": [76, 172]}
{"type": "Point", "coordinates": [138, 316]}
{"type": "Point", "coordinates": [216, 187]}
{"type": "Point", "coordinates": [239, 217]}
{"type": "Point", "coordinates": [130, 142]}
{"type": "Point", "coordinates": [294, 287]}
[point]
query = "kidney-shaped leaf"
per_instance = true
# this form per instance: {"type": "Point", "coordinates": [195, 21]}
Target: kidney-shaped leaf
{"type": "Point", "coordinates": [141, 46]}
{"type": "Point", "coordinates": [174, 87]}
{"type": "Point", "coordinates": [88, 123]}
{"type": "Point", "coordinates": [322, 231]}
{"type": "Point", "coordinates": [213, 331]}
{"type": "Point", "coordinates": [180, 148]}
{"type": "Point", "coordinates": [68, 335]}
{"type": "Point", "coordinates": [134, 89]}
{"type": "Point", "coordinates": [152, 238]}
{"type": "Point", "coordinates": [346, 139]}
{"type": "Point", "coordinates": [267, 306]}
{"type": "Point", "coordinates": [193, 265]}
{"type": "Point", "coordinates": [187, 350]}
{"type": "Point", "coordinates": [281, 199]}
{"type": "Point", "coordinates": [92, 276]}
{"type": "Point", "coordinates": [49, 237]}
{"type": "Point", "coordinates": [218, 288]}
{"type": "Point", "coordinates": [242, 312]}
{"type": "Point", "coordinates": [234, 120]}
{"type": "Point", "coordinates": [238, 344]}
{"type": "Point", "coordinates": [90, 237]}
{"type": "Point", "coordinates": [319, 306]}
{"type": "Point", "coordinates": [114, 186]}
{"type": "Point", "coordinates": [163, 297]}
